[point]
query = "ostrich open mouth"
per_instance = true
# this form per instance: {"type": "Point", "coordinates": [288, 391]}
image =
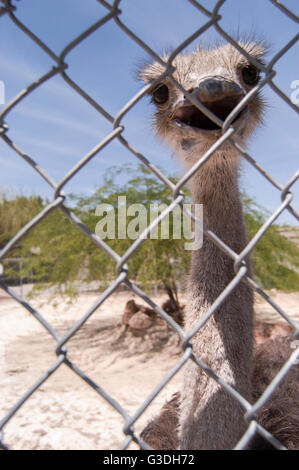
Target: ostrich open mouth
{"type": "Point", "coordinates": [189, 115]}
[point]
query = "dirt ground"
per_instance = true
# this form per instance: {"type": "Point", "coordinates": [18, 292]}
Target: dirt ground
{"type": "Point", "coordinates": [65, 413]}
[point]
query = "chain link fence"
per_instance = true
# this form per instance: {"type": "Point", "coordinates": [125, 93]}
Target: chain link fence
{"type": "Point", "coordinates": [60, 66]}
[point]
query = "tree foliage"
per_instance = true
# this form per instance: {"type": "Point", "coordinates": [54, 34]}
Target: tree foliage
{"type": "Point", "coordinates": [65, 254]}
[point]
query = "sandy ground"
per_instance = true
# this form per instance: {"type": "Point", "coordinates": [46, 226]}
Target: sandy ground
{"type": "Point", "coordinates": [65, 413]}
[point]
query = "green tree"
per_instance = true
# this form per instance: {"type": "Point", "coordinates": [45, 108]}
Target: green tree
{"type": "Point", "coordinates": [65, 254]}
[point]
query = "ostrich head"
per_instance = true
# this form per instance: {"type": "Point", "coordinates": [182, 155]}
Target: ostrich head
{"type": "Point", "coordinates": [219, 78]}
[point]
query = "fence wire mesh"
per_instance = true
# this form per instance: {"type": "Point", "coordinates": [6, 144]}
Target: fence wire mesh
{"type": "Point", "coordinates": [60, 66]}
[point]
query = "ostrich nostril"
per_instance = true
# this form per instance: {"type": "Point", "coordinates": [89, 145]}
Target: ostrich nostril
{"type": "Point", "coordinates": [191, 90]}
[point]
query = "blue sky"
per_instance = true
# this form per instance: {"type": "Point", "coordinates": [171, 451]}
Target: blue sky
{"type": "Point", "coordinates": [56, 127]}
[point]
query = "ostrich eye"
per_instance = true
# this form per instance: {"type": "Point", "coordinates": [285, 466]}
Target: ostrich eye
{"type": "Point", "coordinates": [161, 95]}
{"type": "Point", "coordinates": [251, 75]}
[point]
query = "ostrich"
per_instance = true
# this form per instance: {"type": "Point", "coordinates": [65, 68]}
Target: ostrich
{"type": "Point", "coordinates": [203, 415]}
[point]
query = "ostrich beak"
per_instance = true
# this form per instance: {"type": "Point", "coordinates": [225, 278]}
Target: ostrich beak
{"type": "Point", "coordinates": [218, 95]}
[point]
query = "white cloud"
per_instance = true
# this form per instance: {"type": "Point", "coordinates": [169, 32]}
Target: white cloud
{"type": "Point", "coordinates": [44, 114]}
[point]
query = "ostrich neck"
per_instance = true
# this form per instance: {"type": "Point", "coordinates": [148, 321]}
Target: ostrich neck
{"type": "Point", "coordinates": [210, 418]}
{"type": "Point", "coordinates": [215, 186]}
